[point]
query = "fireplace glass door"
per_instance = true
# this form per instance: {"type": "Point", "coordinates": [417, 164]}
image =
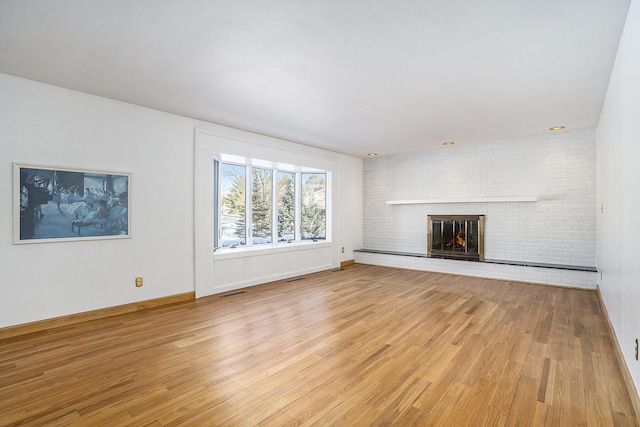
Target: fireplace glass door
{"type": "Point", "coordinates": [456, 236]}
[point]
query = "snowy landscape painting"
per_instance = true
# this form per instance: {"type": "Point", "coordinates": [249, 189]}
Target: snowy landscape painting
{"type": "Point", "coordinates": [59, 204]}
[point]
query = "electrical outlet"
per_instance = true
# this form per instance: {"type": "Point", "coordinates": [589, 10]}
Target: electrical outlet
{"type": "Point", "coordinates": [636, 348]}
{"type": "Point", "coordinates": [343, 249]}
{"type": "Point", "coordinates": [138, 281]}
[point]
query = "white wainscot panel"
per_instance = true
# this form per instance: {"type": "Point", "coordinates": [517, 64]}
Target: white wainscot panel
{"type": "Point", "coordinates": [231, 273]}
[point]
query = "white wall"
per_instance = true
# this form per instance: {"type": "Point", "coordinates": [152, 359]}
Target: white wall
{"type": "Point", "coordinates": [48, 125]}
{"type": "Point", "coordinates": [350, 199]}
{"type": "Point", "coordinates": [618, 148]}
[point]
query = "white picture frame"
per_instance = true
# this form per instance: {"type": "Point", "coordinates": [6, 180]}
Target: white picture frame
{"type": "Point", "coordinates": [60, 204]}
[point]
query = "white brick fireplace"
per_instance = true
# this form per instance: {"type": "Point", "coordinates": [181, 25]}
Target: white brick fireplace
{"type": "Point", "coordinates": [538, 196]}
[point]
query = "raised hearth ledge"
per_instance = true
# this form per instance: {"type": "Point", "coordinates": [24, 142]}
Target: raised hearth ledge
{"type": "Point", "coordinates": [464, 200]}
{"type": "Point", "coordinates": [582, 277]}
{"type": "Point", "coordinates": [489, 261]}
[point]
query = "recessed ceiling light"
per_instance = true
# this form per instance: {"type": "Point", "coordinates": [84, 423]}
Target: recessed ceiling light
{"type": "Point", "coordinates": [448, 143]}
{"type": "Point", "coordinates": [372, 154]}
{"type": "Point", "coordinates": [557, 128]}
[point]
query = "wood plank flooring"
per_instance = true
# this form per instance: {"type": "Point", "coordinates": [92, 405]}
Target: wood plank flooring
{"type": "Point", "coordinates": [360, 346]}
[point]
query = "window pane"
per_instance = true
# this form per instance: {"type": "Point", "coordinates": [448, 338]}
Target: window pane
{"type": "Point", "coordinates": [286, 206]}
{"type": "Point", "coordinates": [314, 210]}
{"type": "Point", "coordinates": [261, 204]}
{"type": "Point", "coordinates": [232, 218]}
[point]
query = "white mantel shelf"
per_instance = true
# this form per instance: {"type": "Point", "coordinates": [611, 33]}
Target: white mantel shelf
{"type": "Point", "coordinates": [464, 200]}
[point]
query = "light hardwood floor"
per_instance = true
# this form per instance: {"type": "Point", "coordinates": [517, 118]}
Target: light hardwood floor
{"type": "Point", "coordinates": [359, 346]}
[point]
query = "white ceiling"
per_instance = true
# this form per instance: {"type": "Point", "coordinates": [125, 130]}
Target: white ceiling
{"type": "Point", "coordinates": [353, 76]}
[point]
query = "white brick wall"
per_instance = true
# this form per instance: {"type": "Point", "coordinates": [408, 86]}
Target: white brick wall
{"type": "Point", "coordinates": [558, 167]}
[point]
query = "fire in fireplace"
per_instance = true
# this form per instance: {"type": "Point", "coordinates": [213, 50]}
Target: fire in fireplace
{"type": "Point", "coordinates": [455, 236]}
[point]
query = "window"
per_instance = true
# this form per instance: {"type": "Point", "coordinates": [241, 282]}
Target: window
{"type": "Point", "coordinates": [259, 203]}
{"type": "Point", "coordinates": [286, 206]}
{"type": "Point", "coordinates": [232, 214]}
{"type": "Point", "coordinates": [314, 209]}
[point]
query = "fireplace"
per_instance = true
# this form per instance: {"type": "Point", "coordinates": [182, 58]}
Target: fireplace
{"type": "Point", "coordinates": [455, 236]}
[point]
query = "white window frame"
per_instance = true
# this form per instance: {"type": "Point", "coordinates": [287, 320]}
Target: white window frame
{"type": "Point", "coordinates": [275, 167]}
{"type": "Point", "coordinates": [225, 270]}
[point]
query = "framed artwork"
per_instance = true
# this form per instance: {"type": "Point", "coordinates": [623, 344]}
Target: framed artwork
{"type": "Point", "coordinates": [53, 204]}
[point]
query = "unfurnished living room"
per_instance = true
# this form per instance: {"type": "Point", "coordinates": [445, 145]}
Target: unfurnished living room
{"type": "Point", "coordinates": [355, 213]}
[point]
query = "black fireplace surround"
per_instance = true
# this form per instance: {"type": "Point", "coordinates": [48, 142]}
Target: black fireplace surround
{"type": "Point", "coordinates": [455, 236]}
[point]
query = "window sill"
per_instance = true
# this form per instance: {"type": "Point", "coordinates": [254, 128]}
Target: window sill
{"type": "Point", "coordinates": [247, 251]}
